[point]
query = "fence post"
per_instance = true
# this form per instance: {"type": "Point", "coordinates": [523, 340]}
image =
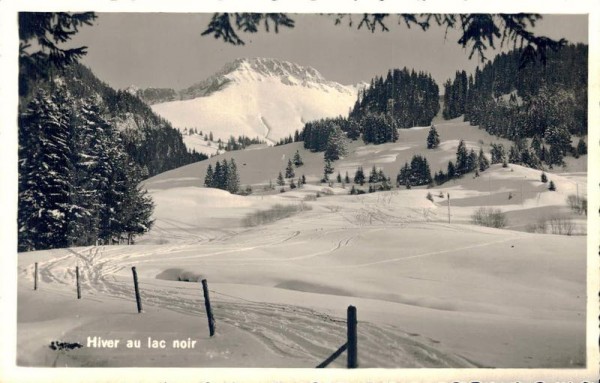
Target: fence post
{"type": "Point", "coordinates": [352, 338]}
{"type": "Point", "coordinates": [448, 207]}
{"type": "Point", "coordinates": [209, 314]}
{"type": "Point", "coordinates": [35, 277]}
{"type": "Point", "coordinates": [138, 299]}
{"type": "Point", "coordinates": [77, 280]}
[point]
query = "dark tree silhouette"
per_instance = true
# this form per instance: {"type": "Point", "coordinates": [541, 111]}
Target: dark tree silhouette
{"type": "Point", "coordinates": [478, 31]}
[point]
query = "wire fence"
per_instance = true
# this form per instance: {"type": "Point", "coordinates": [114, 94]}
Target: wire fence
{"type": "Point", "coordinates": [350, 347]}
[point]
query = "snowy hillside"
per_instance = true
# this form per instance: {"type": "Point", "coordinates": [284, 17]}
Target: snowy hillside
{"type": "Point", "coordinates": [260, 97]}
{"type": "Point", "coordinates": [429, 293]}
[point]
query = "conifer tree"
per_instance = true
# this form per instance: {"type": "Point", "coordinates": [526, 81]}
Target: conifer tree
{"type": "Point", "coordinates": [359, 176]}
{"type": "Point", "coordinates": [404, 176]}
{"type": "Point", "coordinates": [44, 181]}
{"type": "Point", "coordinates": [498, 154]}
{"type": "Point", "coordinates": [336, 144]}
{"type": "Point", "coordinates": [339, 178]}
{"type": "Point", "coordinates": [471, 161]}
{"type": "Point", "coordinates": [218, 176]}
{"type": "Point", "coordinates": [482, 161]}
{"type": "Point", "coordinates": [328, 168]}
{"type": "Point", "coordinates": [289, 170]}
{"type": "Point", "coordinates": [581, 147]}
{"type": "Point", "coordinates": [209, 178]}
{"type": "Point", "coordinates": [374, 175]}
{"type": "Point", "coordinates": [347, 178]}
{"type": "Point", "coordinates": [280, 179]}
{"type": "Point", "coordinates": [297, 159]}
{"type": "Point", "coordinates": [233, 178]}
{"type": "Point", "coordinates": [462, 159]}
{"type": "Point", "coordinates": [433, 139]}
{"type": "Point", "coordinates": [451, 170]}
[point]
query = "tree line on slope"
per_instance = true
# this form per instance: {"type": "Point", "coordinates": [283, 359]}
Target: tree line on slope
{"type": "Point", "coordinates": [547, 103]}
{"type": "Point", "coordinates": [402, 100]}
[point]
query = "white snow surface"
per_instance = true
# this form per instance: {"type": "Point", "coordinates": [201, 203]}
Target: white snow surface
{"type": "Point", "coordinates": [265, 98]}
{"type": "Point", "coordinates": [429, 293]}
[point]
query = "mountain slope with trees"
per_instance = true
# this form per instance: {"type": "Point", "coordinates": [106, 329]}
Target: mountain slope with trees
{"type": "Point", "coordinates": [84, 148]}
{"type": "Point", "coordinates": [544, 102]}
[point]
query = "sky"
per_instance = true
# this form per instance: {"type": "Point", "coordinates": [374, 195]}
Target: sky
{"type": "Point", "coordinates": [167, 49]}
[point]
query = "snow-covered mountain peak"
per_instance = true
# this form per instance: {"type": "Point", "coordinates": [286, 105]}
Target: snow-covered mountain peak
{"type": "Point", "coordinates": [260, 68]}
{"type": "Point", "coordinates": [258, 97]}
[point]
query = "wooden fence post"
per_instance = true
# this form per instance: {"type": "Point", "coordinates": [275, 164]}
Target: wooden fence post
{"type": "Point", "coordinates": [209, 314]}
{"type": "Point", "coordinates": [35, 277]}
{"type": "Point", "coordinates": [448, 207]}
{"type": "Point", "coordinates": [352, 338]}
{"type": "Point", "coordinates": [138, 299]}
{"type": "Point", "coordinates": [77, 280]}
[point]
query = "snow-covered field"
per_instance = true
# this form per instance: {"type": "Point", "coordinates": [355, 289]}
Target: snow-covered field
{"type": "Point", "coordinates": [429, 293]}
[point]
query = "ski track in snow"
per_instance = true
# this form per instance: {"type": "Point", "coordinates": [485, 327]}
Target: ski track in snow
{"type": "Point", "coordinates": [287, 330]}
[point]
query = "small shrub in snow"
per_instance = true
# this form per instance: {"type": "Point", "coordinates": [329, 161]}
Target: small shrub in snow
{"type": "Point", "coordinates": [538, 227]}
{"type": "Point", "coordinates": [544, 177]}
{"type": "Point", "coordinates": [274, 213]}
{"type": "Point", "coordinates": [578, 205]}
{"type": "Point", "coordinates": [552, 186]}
{"type": "Point", "coordinates": [561, 225]}
{"type": "Point", "coordinates": [429, 197]}
{"type": "Point", "coordinates": [489, 217]}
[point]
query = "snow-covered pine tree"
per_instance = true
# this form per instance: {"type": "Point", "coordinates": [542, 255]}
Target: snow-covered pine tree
{"type": "Point", "coordinates": [44, 178]}
{"type": "Point", "coordinates": [233, 178]}
{"type": "Point", "coordinates": [289, 170]}
{"type": "Point", "coordinates": [138, 205]}
{"type": "Point", "coordinates": [471, 161]}
{"type": "Point", "coordinates": [451, 170]}
{"type": "Point", "coordinates": [498, 153]}
{"type": "Point", "coordinates": [581, 147]}
{"type": "Point", "coordinates": [225, 175]}
{"type": "Point", "coordinates": [328, 168]}
{"type": "Point", "coordinates": [359, 176]}
{"type": "Point", "coordinates": [90, 138]}
{"type": "Point", "coordinates": [404, 176]}
{"type": "Point", "coordinates": [462, 159]}
{"type": "Point", "coordinates": [433, 139]}
{"type": "Point", "coordinates": [347, 178]}
{"type": "Point", "coordinates": [218, 175]}
{"type": "Point", "coordinates": [280, 179]}
{"type": "Point", "coordinates": [482, 161]}
{"type": "Point", "coordinates": [336, 144]}
{"type": "Point", "coordinates": [209, 177]}
{"type": "Point", "coordinates": [297, 159]}
{"type": "Point", "coordinates": [374, 175]}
